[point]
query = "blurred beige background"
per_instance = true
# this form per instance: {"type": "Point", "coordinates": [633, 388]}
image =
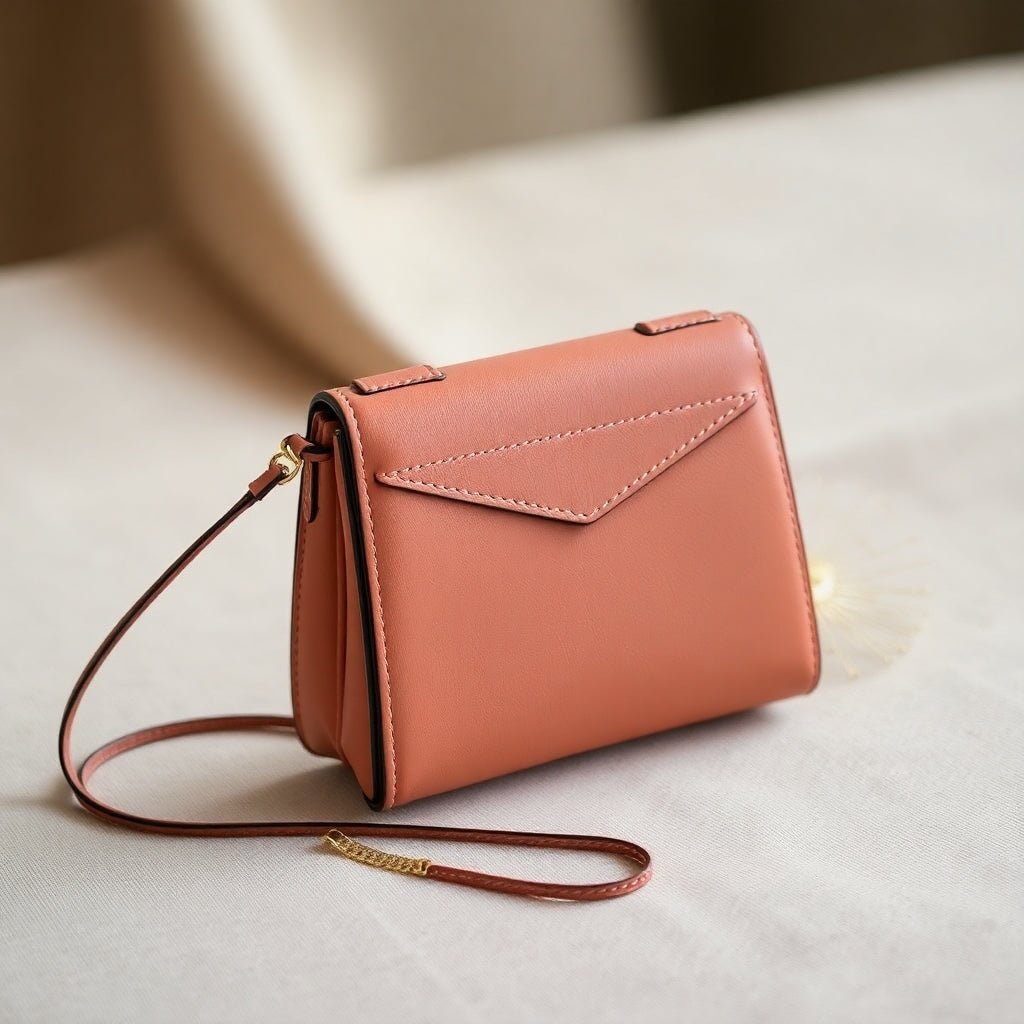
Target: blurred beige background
{"type": "Point", "coordinates": [86, 90]}
{"type": "Point", "coordinates": [241, 128]}
{"type": "Point", "coordinates": [82, 130]}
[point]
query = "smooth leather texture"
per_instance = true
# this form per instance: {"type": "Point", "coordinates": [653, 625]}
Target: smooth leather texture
{"type": "Point", "coordinates": [534, 475]}
{"type": "Point", "coordinates": [319, 632]}
{"type": "Point", "coordinates": [565, 547]}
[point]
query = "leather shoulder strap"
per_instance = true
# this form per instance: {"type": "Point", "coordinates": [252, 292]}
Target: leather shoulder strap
{"type": "Point", "coordinates": [338, 835]}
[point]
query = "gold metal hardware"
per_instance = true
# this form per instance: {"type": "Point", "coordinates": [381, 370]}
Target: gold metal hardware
{"type": "Point", "coordinates": [285, 459]}
{"type": "Point", "coordinates": [348, 847]}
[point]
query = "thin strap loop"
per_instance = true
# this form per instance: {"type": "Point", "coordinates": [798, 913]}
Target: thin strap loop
{"type": "Point", "coordinates": [336, 835]}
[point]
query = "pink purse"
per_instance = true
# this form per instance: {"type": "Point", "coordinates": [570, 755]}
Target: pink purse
{"type": "Point", "coordinates": [516, 559]}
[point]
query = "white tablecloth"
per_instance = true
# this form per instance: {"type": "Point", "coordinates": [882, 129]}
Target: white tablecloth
{"type": "Point", "coordinates": [854, 855]}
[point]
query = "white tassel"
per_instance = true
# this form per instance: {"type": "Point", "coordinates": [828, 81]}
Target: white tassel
{"type": "Point", "coordinates": [868, 576]}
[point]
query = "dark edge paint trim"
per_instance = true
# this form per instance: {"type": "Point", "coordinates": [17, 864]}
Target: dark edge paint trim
{"type": "Point", "coordinates": [300, 525]}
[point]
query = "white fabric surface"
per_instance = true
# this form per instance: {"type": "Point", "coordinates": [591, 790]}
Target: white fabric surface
{"type": "Point", "coordinates": [853, 855]}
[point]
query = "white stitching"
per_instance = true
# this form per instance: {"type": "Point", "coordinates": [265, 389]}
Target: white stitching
{"type": "Point", "coordinates": [552, 890]}
{"type": "Point", "coordinates": [397, 383]}
{"type": "Point", "coordinates": [742, 399]}
{"type": "Point", "coordinates": [432, 374]}
{"type": "Point", "coordinates": [704, 318]}
{"type": "Point", "coordinates": [376, 594]}
{"type": "Point", "coordinates": [569, 433]}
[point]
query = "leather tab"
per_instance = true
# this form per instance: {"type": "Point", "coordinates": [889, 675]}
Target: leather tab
{"type": "Point", "coordinates": [265, 482]}
{"type": "Point", "coordinates": [396, 379]}
{"type": "Point", "coordinates": [675, 323]}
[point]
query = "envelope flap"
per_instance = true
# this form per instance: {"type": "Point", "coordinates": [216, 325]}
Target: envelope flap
{"type": "Point", "coordinates": [579, 473]}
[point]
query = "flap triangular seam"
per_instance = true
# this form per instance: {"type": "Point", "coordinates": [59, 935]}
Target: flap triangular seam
{"type": "Point", "coordinates": [739, 400]}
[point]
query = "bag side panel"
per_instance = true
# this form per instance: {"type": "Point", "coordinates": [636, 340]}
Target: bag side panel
{"type": "Point", "coordinates": [318, 604]}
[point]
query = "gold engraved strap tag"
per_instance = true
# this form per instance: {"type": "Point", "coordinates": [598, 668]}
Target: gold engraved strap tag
{"type": "Point", "coordinates": [349, 848]}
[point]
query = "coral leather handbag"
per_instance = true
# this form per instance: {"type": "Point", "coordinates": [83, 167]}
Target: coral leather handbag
{"type": "Point", "coordinates": [516, 559]}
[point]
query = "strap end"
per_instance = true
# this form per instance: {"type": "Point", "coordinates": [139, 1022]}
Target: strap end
{"type": "Point", "coordinates": [266, 482]}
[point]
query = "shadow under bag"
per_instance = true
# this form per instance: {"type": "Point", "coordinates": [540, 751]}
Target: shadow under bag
{"type": "Point", "coordinates": [516, 559]}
